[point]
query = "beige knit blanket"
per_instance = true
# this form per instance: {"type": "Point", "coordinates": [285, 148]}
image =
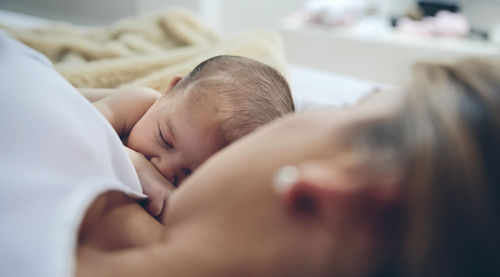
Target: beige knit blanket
{"type": "Point", "coordinates": [145, 50]}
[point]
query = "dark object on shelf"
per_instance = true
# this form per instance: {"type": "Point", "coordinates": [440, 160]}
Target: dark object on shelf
{"type": "Point", "coordinates": [393, 20]}
{"type": "Point", "coordinates": [478, 34]}
{"type": "Point", "coordinates": [431, 8]}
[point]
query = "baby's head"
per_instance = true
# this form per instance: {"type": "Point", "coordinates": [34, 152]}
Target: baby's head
{"type": "Point", "coordinates": [221, 100]}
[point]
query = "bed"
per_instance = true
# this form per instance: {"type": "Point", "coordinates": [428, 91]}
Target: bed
{"type": "Point", "coordinates": [65, 45]}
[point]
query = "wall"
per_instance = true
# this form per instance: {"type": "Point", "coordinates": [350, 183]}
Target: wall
{"type": "Point", "coordinates": [88, 12]}
{"type": "Point", "coordinates": [483, 14]}
{"type": "Point", "coordinates": [226, 15]}
{"type": "Point", "coordinates": [237, 15]}
{"type": "Point", "coordinates": [232, 15]}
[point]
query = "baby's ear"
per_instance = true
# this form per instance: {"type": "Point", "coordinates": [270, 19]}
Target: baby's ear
{"type": "Point", "coordinates": [172, 84]}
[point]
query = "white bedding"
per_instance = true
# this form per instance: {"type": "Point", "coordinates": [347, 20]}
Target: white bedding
{"type": "Point", "coordinates": [311, 88]}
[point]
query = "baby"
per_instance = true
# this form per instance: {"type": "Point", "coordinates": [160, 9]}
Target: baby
{"type": "Point", "coordinates": [170, 135]}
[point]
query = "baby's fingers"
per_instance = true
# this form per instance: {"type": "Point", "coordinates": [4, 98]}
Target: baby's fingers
{"type": "Point", "coordinates": [157, 195]}
{"type": "Point", "coordinates": [155, 204]}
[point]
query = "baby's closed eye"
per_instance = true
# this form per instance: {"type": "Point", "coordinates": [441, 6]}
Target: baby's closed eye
{"type": "Point", "coordinates": [164, 141]}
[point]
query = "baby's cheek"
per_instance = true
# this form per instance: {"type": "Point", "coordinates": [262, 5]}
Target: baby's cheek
{"type": "Point", "coordinates": [133, 140]}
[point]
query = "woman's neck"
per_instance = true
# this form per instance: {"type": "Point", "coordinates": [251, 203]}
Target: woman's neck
{"type": "Point", "coordinates": [118, 237]}
{"type": "Point", "coordinates": [176, 259]}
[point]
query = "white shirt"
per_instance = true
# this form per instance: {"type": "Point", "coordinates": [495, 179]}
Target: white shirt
{"type": "Point", "coordinates": [57, 154]}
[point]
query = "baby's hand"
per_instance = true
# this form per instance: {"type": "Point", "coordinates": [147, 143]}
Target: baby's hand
{"type": "Point", "coordinates": [153, 184]}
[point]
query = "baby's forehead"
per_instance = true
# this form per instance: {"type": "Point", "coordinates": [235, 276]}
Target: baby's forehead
{"type": "Point", "coordinates": [213, 108]}
{"type": "Point", "coordinates": [219, 94]}
{"type": "Point", "coordinates": [217, 113]}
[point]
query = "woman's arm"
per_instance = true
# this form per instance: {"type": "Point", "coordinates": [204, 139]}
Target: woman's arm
{"type": "Point", "coordinates": [125, 106]}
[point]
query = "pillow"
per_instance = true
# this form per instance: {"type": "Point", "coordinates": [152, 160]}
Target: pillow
{"type": "Point", "coordinates": [314, 88]}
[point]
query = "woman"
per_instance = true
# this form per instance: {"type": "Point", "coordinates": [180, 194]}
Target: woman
{"type": "Point", "coordinates": [402, 184]}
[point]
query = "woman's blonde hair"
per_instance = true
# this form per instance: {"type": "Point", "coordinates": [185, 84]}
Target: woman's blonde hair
{"type": "Point", "coordinates": [446, 143]}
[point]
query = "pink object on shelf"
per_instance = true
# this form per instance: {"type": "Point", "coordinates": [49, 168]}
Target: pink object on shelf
{"type": "Point", "coordinates": [444, 24]}
{"type": "Point", "coordinates": [331, 12]}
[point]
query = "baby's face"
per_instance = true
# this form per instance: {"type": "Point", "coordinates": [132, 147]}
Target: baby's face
{"type": "Point", "coordinates": [176, 136]}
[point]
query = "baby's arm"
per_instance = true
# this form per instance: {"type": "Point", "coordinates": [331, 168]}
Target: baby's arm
{"type": "Point", "coordinates": [122, 107]}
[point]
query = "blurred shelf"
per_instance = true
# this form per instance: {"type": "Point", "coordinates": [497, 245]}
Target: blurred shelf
{"type": "Point", "coordinates": [372, 50]}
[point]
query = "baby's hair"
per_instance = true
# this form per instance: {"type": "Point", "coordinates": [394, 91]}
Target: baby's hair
{"type": "Point", "coordinates": [248, 93]}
